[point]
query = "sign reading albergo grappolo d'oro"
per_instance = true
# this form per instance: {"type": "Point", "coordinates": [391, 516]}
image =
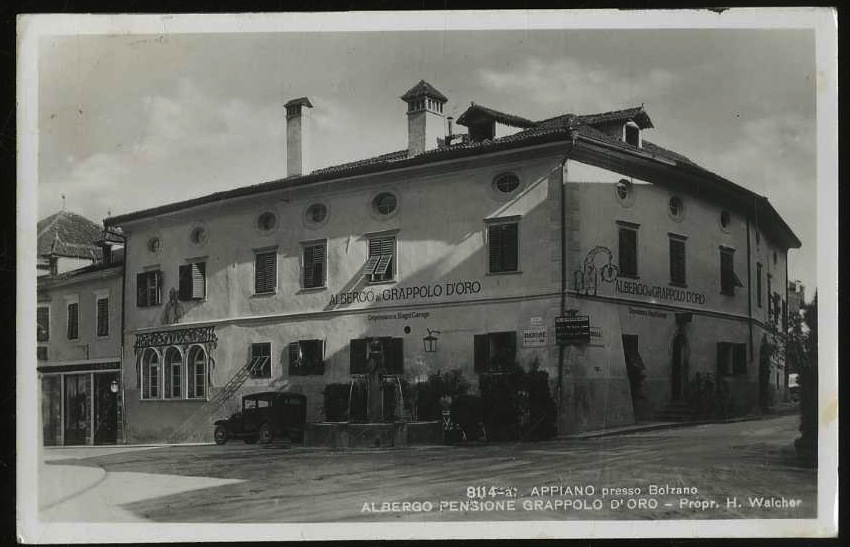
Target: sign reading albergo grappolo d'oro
{"type": "Point", "coordinates": [397, 294]}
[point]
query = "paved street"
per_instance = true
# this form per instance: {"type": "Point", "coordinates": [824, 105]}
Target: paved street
{"type": "Point", "coordinates": [718, 471]}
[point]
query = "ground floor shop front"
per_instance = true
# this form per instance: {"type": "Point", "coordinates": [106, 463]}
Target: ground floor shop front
{"type": "Point", "coordinates": [80, 403]}
{"type": "Point", "coordinates": [640, 358]}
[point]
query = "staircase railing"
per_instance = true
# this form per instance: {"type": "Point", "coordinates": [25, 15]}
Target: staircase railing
{"type": "Point", "coordinates": [214, 403]}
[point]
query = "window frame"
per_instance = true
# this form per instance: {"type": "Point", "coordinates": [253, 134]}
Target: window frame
{"type": "Point", "coordinates": [628, 227]}
{"type": "Point", "coordinates": [169, 366]}
{"type": "Point", "coordinates": [260, 252]}
{"type": "Point", "coordinates": [144, 369]}
{"type": "Point", "coordinates": [759, 287]}
{"type": "Point", "coordinates": [72, 327]}
{"type": "Point", "coordinates": [483, 359]}
{"type": "Point", "coordinates": [153, 288]}
{"type": "Point", "coordinates": [305, 245]}
{"type": "Point", "coordinates": [295, 368]}
{"type": "Point", "coordinates": [728, 278]}
{"type": "Point", "coordinates": [499, 225]}
{"type": "Point", "coordinates": [258, 358]}
{"type": "Point", "coordinates": [676, 239]}
{"type": "Point", "coordinates": [46, 328]}
{"type": "Point", "coordinates": [101, 333]}
{"type": "Point", "coordinates": [194, 356]}
{"type": "Point", "coordinates": [185, 274]}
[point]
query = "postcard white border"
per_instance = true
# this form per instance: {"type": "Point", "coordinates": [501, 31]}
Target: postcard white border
{"type": "Point", "coordinates": [31, 27]}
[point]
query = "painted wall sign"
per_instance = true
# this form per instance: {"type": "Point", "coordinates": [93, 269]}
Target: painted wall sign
{"type": "Point", "coordinates": [534, 337]}
{"type": "Point", "coordinates": [598, 266]}
{"type": "Point", "coordinates": [398, 315]}
{"type": "Point", "coordinates": [655, 291]}
{"type": "Point", "coordinates": [393, 294]}
{"type": "Point", "coordinates": [648, 313]}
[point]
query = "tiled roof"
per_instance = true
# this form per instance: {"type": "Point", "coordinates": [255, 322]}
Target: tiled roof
{"type": "Point", "coordinates": [636, 114]}
{"type": "Point", "coordinates": [475, 110]}
{"type": "Point", "coordinates": [68, 234]}
{"type": "Point", "coordinates": [423, 89]}
{"type": "Point", "coordinates": [555, 129]}
{"type": "Point", "coordinates": [97, 267]}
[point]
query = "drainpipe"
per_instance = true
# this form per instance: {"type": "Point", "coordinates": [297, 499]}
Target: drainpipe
{"type": "Point", "coordinates": [123, 315]}
{"type": "Point", "coordinates": [563, 173]}
{"type": "Point", "coordinates": [749, 291]}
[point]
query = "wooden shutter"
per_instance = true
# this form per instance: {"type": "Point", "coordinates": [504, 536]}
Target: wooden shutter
{"type": "Point", "coordinates": [727, 283]}
{"type": "Point", "coordinates": [184, 290]}
{"type": "Point", "coordinates": [103, 316]}
{"type": "Point", "coordinates": [758, 284]}
{"type": "Point", "coordinates": [157, 288]}
{"type": "Point", "coordinates": [199, 280]}
{"type": "Point", "coordinates": [510, 247]}
{"type": "Point", "coordinates": [314, 266]}
{"type": "Point", "coordinates": [677, 261]}
{"type": "Point", "coordinates": [481, 352]}
{"type": "Point", "coordinates": [374, 246]}
{"type": "Point", "coordinates": [369, 267]}
{"type": "Point", "coordinates": [294, 358]}
{"type": "Point", "coordinates": [383, 264]}
{"type": "Point", "coordinates": [394, 355]}
{"type": "Point", "coordinates": [495, 241]}
{"type": "Point", "coordinates": [512, 346]}
{"type": "Point", "coordinates": [141, 290]}
{"type": "Point", "coordinates": [265, 273]}
{"type": "Point", "coordinates": [722, 359]}
{"type": "Point", "coordinates": [739, 359]}
{"type": "Point", "coordinates": [357, 356]}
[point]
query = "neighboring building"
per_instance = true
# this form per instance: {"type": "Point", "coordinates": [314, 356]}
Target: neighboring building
{"type": "Point", "coordinates": [796, 297]}
{"type": "Point", "coordinates": [66, 241]}
{"type": "Point", "coordinates": [79, 347]}
{"type": "Point", "coordinates": [453, 254]}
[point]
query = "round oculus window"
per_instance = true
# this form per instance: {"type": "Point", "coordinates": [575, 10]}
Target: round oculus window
{"type": "Point", "coordinates": [198, 235]}
{"type": "Point", "coordinates": [725, 219]}
{"type": "Point", "coordinates": [385, 203]}
{"type": "Point", "coordinates": [154, 244]}
{"type": "Point", "coordinates": [267, 221]}
{"type": "Point", "coordinates": [506, 183]}
{"type": "Point", "coordinates": [675, 207]}
{"type": "Point", "coordinates": [317, 213]}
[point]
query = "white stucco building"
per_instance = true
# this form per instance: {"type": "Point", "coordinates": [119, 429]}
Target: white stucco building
{"type": "Point", "coordinates": [458, 252]}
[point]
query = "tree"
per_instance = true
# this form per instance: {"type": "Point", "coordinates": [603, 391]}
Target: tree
{"type": "Point", "coordinates": [807, 443]}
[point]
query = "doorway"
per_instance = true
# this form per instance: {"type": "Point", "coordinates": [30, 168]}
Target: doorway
{"type": "Point", "coordinates": [77, 408]}
{"type": "Point", "coordinates": [678, 369]}
{"type": "Point", "coordinates": [105, 409]}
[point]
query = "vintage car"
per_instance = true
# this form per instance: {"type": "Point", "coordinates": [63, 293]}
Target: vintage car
{"type": "Point", "coordinates": [264, 417]}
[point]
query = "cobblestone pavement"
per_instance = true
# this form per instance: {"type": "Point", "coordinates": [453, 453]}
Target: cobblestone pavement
{"type": "Point", "coordinates": [717, 471]}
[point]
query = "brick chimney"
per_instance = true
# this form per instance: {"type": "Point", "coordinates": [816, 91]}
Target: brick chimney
{"type": "Point", "coordinates": [297, 136]}
{"type": "Point", "coordinates": [425, 118]}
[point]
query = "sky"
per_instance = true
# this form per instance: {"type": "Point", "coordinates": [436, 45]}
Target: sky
{"type": "Point", "coordinates": [132, 121]}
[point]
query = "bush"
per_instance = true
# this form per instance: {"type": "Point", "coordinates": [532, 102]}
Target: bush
{"type": "Point", "coordinates": [518, 405]}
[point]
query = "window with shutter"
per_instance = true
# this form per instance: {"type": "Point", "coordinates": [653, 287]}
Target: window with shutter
{"type": "Point", "coordinates": [482, 352]}
{"type": "Point", "coordinates": [728, 279]}
{"type": "Point", "coordinates": [192, 284]}
{"type": "Point", "coordinates": [394, 356]}
{"type": "Point", "coordinates": [739, 359]}
{"type": "Point", "coordinates": [43, 324]}
{"type": "Point", "coordinates": [677, 261]}
{"type": "Point", "coordinates": [758, 284]}
{"type": "Point", "coordinates": [265, 272]}
{"type": "Point", "coordinates": [73, 321]}
{"type": "Point", "coordinates": [306, 358]}
{"type": "Point", "coordinates": [503, 242]}
{"type": "Point", "coordinates": [495, 351]}
{"type": "Point", "coordinates": [380, 265]}
{"type": "Point", "coordinates": [314, 266]}
{"type": "Point", "coordinates": [627, 239]}
{"type": "Point", "coordinates": [103, 316]}
{"type": "Point", "coordinates": [148, 288]}
{"type": "Point", "coordinates": [261, 355]}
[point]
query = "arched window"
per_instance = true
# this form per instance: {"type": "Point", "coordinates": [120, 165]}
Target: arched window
{"type": "Point", "coordinates": [150, 374]}
{"type": "Point", "coordinates": [173, 374]}
{"type": "Point", "coordinates": [197, 373]}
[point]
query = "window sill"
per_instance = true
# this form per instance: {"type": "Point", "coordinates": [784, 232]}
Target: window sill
{"type": "Point", "coordinates": [678, 285]}
{"type": "Point", "coordinates": [263, 294]}
{"type": "Point", "coordinates": [308, 290]}
{"type": "Point", "coordinates": [517, 272]}
{"type": "Point", "coordinates": [727, 293]}
{"type": "Point", "coordinates": [383, 282]}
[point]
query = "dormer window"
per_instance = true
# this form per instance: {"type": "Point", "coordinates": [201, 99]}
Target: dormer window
{"type": "Point", "coordinates": [631, 134]}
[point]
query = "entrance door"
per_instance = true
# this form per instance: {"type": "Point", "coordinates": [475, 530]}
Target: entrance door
{"type": "Point", "coordinates": [678, 374]}
{"type": "Point", "coordinates": [105, 409]}
{"type": "Point", "coordinates": [77, 408]}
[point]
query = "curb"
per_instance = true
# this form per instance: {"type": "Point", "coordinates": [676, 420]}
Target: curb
{"type": "Point", "coordinates": [676, 425]}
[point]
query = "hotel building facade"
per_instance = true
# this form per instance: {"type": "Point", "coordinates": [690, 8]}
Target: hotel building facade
{"type": "Point", "coordinates": [458, 252]}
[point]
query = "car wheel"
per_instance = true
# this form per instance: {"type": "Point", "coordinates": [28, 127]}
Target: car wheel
{"type": "Point", "coordinates": [266, 433]}
{"type": "Point", "coordinates": [220, 434]}
{"type": "Point", "coordinates": [250, 440]}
